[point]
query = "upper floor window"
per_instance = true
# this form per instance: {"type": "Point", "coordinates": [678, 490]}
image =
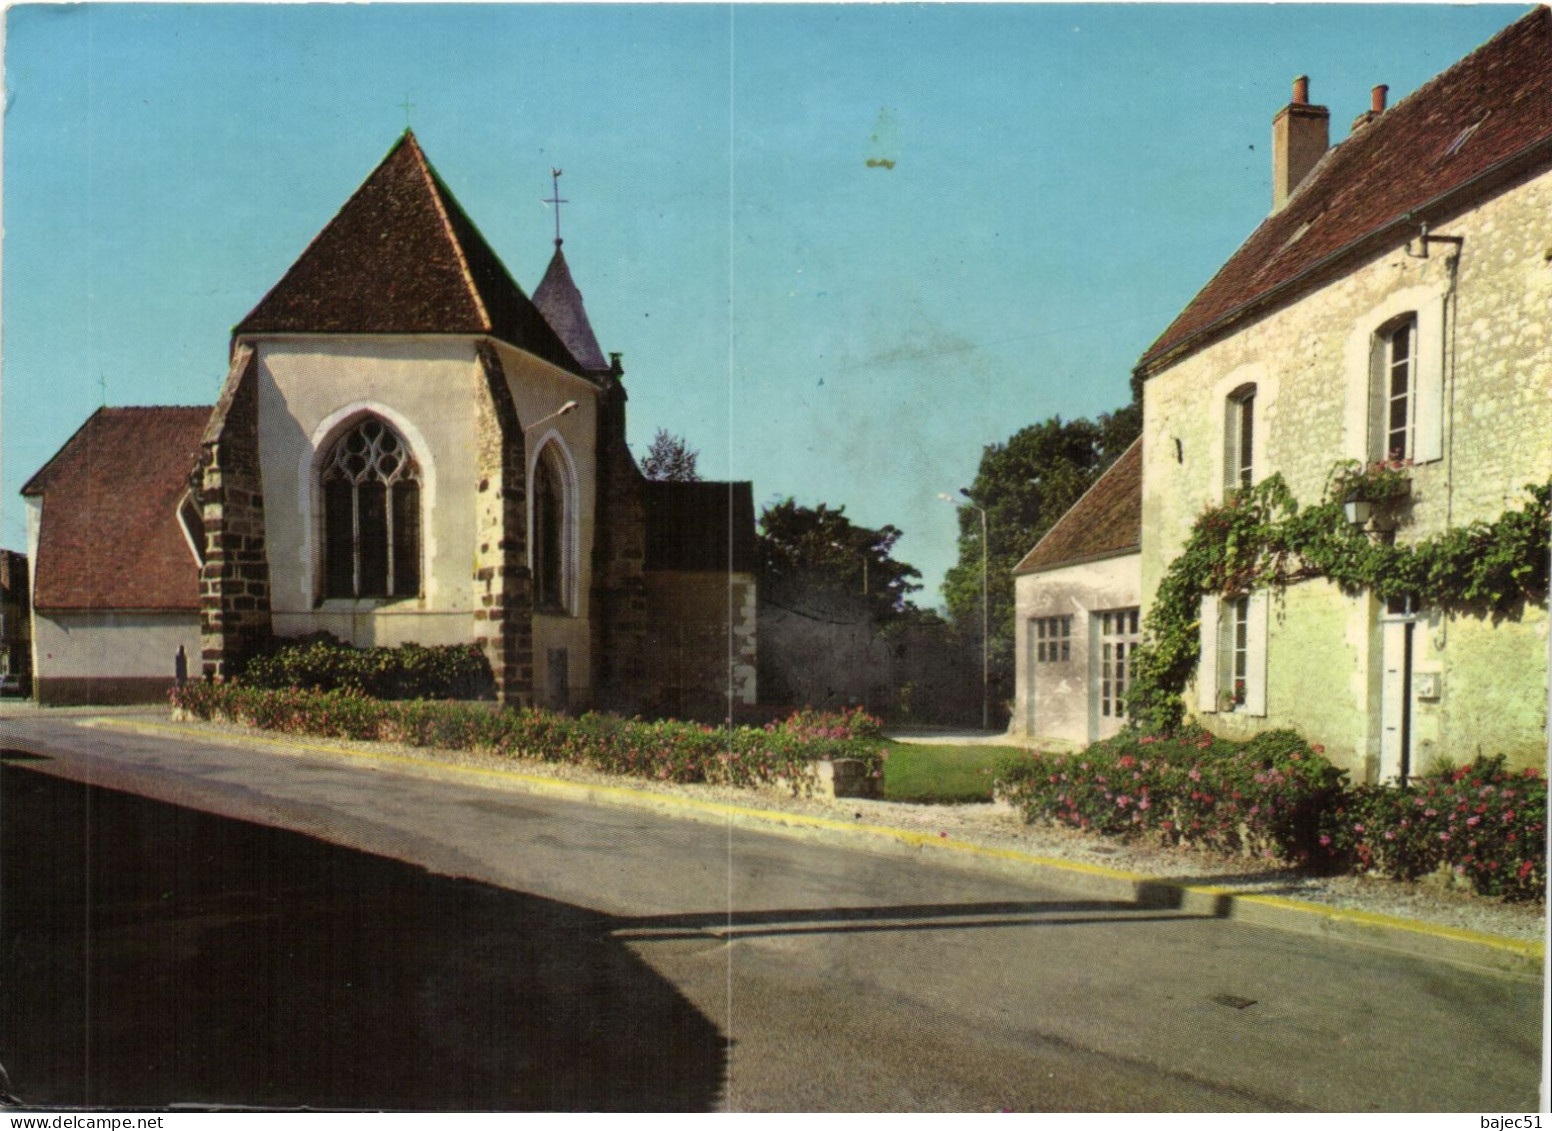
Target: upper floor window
{"type": "Point", "coordinates": [371, 514]}
{"type": "Point", "coordinates": [1394, 396]}
{"type": "Point", "coordinates": [1239, 438]}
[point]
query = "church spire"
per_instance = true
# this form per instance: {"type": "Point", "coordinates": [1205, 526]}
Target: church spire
{"type": "Point", "coordinates": [560, 302]}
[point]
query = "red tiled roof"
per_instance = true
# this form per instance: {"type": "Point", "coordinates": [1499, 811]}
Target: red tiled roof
{"type": "Point", "coordinates": [1105, 523]}
{"type": "Point", "coordinates": [1415, 162]}
{"type": "Point", "coordinates": [560, 302]}
{"type": "Point", "coordinates": [110, 536]}
{"type": "Point", "coordinates": [402, 257]}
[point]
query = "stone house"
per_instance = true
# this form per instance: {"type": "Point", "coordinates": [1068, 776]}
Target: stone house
{"type": "Point", "coordinates": [1396, 303]}
{"type": "Point", "coordinates": [405, 448]}
{"type": "Point", "coordinates": [1077, 598]}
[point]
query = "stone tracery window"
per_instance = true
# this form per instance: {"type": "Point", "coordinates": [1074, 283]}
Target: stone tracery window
{"type": "Point", "coordinates": [371, 514]}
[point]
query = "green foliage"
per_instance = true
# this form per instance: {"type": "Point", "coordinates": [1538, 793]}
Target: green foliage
{"type": "Point", "coordinates": [665, 750]}
{"type": "Point", "coordinates": [671, 458]}
{"type": "Point", "coordinates": [1378, 482]}
{"type": "Point", "coordinates": [1483, 823]}
{"type": "Point", "coordinates": [1265, 797]}
{"type": "Point", "coordinates": [1025, 485]}
{"type": "Point", "coordinates": [818, 551]}
{"type": "Point", "coordinates": [1276, 796]}
{"type": "Point", "coordinates": [926, 773]}
{"type": "Point", "coordinates": [410, 671]}
{"type": "Point", "coordinates": [1260, 538]}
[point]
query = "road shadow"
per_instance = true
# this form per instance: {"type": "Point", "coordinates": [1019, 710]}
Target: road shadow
{"type": "Point", "coordinates": [152, 955]}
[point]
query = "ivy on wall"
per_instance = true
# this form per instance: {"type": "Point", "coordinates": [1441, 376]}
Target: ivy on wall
{"type": "Point", "coordinates": [1260, 538]}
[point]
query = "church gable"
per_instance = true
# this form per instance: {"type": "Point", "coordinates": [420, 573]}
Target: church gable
{"type": "Point", "coordinates": [402, 257]}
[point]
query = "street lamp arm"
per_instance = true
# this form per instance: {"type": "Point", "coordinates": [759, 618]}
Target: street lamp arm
{"type": "Point", "coordinates": [564, 410]}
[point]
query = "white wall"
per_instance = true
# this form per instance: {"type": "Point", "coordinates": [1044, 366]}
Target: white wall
{"type": "Point", "coordinates": [110, 656]}
{"type": "Point", "coordinates": [1051, 701]}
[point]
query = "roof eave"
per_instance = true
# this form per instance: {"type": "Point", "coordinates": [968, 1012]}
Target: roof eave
{"type": "Point", "coordinates": [1523, 161]}
{"type": "Point", "coordinates": [1086, 559]}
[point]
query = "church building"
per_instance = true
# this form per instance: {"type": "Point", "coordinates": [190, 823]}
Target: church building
{"type": "Point", "coordinates": [405, 448]}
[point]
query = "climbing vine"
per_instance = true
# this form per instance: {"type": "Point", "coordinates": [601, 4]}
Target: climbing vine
{"type": "Point", "coordinates": [1260, 538]}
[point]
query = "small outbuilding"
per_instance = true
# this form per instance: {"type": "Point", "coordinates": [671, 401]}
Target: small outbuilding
{"type": "Point", "coordinates": [1077, 595]}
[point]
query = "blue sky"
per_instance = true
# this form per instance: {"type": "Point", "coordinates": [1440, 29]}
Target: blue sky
{"type": "Point", "coordinates": [841, 247]}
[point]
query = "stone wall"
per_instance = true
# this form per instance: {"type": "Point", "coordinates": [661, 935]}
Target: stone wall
{"type": "Point", "coordinates": [503, 582]}
{"type": "Point", "coordinates": [619, 601]}
{"type": "Point", "coordinates": [234, 581]}
{"type": "Point", "coordinates": [1310, 361]}
{"type": "Point", "coordinates": [700, 641]}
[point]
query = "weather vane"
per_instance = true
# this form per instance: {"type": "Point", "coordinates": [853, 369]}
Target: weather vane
{"type": "Point", "coordinates": [556, 200]}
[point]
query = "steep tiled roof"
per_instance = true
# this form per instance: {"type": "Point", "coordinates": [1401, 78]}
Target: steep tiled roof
{"type": "Point", "coordinates": [697, 526]}
{"type": "Point", "coordinates": [110, 537]}
{"type": "Point", "coordinates": [402, 257]}
{"type": "Point", "coordinates": [1487, 117]}
{"type": "Point", "coordinates": [560, 302]}
{"type": "Point", "coordinates": [1105, 523]}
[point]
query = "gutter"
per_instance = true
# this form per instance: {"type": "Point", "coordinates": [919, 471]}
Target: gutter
{"type": "Point", "coordinates": [1149, 366]}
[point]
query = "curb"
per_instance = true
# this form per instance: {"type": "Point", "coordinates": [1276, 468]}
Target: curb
{"type": "Point", "coordinates": [1522, 957]}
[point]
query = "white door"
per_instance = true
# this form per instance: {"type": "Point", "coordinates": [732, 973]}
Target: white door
{"type": "Point", "coordinates": [1396, 700]}
{"type": "Point", "coordinates": [1116, 633]}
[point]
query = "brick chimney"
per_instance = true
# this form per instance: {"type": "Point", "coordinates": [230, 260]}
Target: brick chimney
{"type": "Point", "coordinates": [1300, 137]}
{"type": "Point", "coordinates": [1376, 107]}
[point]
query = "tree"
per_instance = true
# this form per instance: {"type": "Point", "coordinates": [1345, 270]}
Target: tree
{"type": "Point", "coordinates": [670, 458]}
{"type": "Point", "coordinates": [818, 551]}
{"type": "Point", "coordinates": [1025, 485]}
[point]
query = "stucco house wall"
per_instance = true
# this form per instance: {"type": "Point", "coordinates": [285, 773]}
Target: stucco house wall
{"type": "Point", "coordinates": [1056, 701]}
{"type": "Point", "coordinates": [1492, 309]}
{"type": "Point", "coordinates": [111, 657]}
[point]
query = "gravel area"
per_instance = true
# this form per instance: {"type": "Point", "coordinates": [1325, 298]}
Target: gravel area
{"type": "Point", "coordinates": [1432, 902]}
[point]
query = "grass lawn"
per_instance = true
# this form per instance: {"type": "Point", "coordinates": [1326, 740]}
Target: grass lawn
{"type": "Point", "coordinates": [915, 772]}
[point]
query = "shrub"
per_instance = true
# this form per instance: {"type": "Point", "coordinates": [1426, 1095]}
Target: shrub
{"type": "Point", "coordinates": [1276, 796]}
{"type": "Point", "coordinates": [1486, 824]}
{"type": "Point", "coordinates": [409, 671]}
{"type": "Point", "coordinates": [665, 750]}
{"type": "Point", "coordinates": [1264, 797]}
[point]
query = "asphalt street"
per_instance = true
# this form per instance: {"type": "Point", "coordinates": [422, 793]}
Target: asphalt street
{"type": "Point", "coordinates": [196, 922]}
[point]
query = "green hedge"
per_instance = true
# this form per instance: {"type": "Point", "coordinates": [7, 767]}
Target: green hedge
{"type": "Point", "coordinates": [665, 750]}
{"type": "Point", "coordinates": [1278, 797]}
{"type": "Point", "coordinates": [409, 671]}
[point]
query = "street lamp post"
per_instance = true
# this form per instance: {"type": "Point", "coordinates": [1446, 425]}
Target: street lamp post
{"type": "Point", "coordinates": [986, 639]}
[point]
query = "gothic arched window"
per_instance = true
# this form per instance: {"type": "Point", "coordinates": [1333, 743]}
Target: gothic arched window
{"type": "Point", "coordinates": [549, 535]}
{"type": "Point", "coordinates": [371, 514]}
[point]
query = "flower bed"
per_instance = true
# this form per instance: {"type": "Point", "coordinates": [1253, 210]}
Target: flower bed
{"type": "Point", "coordinates": [1486, 824]}
{"type": "Point", "coordinates": [1278, 797]}
{"type": "Point", "coordinates": [1263, 797]}
{"type": "Point", "coordinates": [665, 750]}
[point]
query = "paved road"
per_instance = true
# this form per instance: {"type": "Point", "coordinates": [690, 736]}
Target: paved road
{"type": "Point", "coordinates": [216, 924]}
